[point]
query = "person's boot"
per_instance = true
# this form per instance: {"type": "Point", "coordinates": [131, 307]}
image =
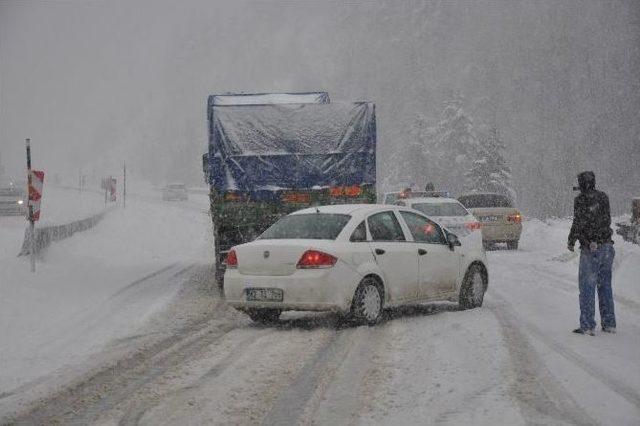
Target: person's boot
{"type": "Point", "coordinates": [611, 330]}
{"type": "Point", "coordinates": [590, 332]}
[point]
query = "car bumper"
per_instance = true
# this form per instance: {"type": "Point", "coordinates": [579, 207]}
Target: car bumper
{"type": "Point", "coordinates": [501, 233]}
{"type": "Point", "coordinates": [328, 289]}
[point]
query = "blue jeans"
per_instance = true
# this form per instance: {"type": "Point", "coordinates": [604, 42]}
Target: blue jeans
{"type": "Point", "coordinates": [595, 272]}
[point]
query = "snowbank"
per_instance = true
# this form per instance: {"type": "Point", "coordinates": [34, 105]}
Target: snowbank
{"type": "Point", "coordinates": [548, 241]}
{"type": "Point", "coordinates": [98, 286]}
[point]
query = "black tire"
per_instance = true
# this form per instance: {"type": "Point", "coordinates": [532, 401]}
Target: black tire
{"type": "Point", "coordinates": [362, 310]}
{"type": "Point", "coordinates": [219, 275]}
{"type": "Point", "coordinates": [471, 291]}
{"type": "Point", "coordinates": [264, 316]}
{"type": "Point", "coordinates": [512, 245]}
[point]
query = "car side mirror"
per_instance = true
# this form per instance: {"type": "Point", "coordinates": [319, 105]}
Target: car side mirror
{"type": "Point", "coordinates": [453, 241]}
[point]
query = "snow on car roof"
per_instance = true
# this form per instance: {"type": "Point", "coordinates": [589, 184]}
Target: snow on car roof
{"type": "Point", "coordinates": [434, 200]}
{"type": "Point", "coordinates": [343, 208]}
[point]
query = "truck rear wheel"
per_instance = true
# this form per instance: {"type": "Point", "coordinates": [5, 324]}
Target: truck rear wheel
{"type": "Point", "coordinates": [264, 316]}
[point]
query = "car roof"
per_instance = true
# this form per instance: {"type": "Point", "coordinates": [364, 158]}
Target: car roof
{"type": "Point", "coordinates": [482, 193]}
{"type": "Point", "coordinates": [346, 208]}
{"type": "Point", "coordinates": [434, 200]}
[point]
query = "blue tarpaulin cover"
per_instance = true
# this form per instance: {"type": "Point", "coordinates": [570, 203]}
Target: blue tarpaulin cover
{"type": "Point", "coordinates": [256, 147]}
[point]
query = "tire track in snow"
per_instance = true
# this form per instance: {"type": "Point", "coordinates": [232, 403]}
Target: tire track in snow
{"type": "Point", "coordinates": [507, 313]}
{"type": "Point", "coordinates": [304, 385]}
{"type": "Point", "coordinates": [136, 412]}
{"type": "Point", "coordinates": [146, 278]}
{"type": "Point", "coordinates": [538, 393]}
{"type": "Point", "coordinates": [104, 389]}
{"type": "Point", "coordinates": [102, 392]}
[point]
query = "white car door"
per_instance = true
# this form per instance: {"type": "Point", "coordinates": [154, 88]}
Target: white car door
{"type": "Point", "coordinates": [438, 265]}
{"type": "Point", "coordinates": [397, 257]}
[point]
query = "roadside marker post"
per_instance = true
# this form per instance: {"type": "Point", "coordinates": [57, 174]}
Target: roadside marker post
{"type": "Point", "coordinates": [35, 180]}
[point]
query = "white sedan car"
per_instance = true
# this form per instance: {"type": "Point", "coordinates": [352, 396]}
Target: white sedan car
{"type": "Point", "coordinates": [451, 214]}
{"type": "Point", "coordinates": [352, 259]}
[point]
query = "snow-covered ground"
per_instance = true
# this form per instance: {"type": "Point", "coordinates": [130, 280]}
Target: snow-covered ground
{"type": "Point", "coordinates": [513, 361]}
{"type": "Point", "coordinates": [97, 286]}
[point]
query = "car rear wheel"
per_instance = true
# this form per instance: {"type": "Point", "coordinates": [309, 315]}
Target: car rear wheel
{"type": "Point", "coordinates": [473, 288]}
{"type": "Point", "coordinates": [264, 316]}
{"type": "Point", "coordinates": [368, 300]}
{"type": "Point", "coordinates": [512, 245]}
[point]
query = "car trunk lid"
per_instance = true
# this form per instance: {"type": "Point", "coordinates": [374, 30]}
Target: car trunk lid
{"type": "Point", "coordinates": [273, 257]}
{"type": "Point", "coordinates": [493, 216]}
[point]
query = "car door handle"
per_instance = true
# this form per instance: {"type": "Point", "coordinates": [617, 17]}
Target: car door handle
{"type": "Point", "coordinates": [380, 251]}
{"type": "Point", "coordinates": [422, 252]}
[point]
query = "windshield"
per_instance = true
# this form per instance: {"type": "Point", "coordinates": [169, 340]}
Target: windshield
{"type": "Point", "coordinates": [484, 200]}
{"type": "Point", "coordinates": [441, 209]}
{"type": "Point", "coordinates": [313, 226]}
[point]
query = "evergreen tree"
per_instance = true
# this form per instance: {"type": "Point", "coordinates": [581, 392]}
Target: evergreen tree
{"type": "Point", "coordinates": [490, 171]}
{"type": "Point", "coordinates": [455, 145]}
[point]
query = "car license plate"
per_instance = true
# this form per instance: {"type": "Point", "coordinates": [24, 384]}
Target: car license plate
{"type": "Point", "coordinates": [489, 218]}
{"type": "Point", "coordinates": [264, 294]}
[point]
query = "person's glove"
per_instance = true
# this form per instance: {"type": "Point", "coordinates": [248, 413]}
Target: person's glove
{"type": "Point", "coordinates": [570, 247]}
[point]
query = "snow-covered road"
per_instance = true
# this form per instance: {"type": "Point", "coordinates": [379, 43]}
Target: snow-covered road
{"type": "Point", "coordinates": [513, 361]}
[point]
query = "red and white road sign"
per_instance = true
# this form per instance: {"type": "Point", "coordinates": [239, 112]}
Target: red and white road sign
{"type": "Point", "coordinates": [36, 178]}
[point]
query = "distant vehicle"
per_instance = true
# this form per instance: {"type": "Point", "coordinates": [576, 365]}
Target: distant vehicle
{"type": "Point", "coordinates": [13, 199]}
{"type": "Point", "coordinates": [354, 259]}
{"type": "Point", "coordinates": [272, 154]}
{"type": "Point", "coordinates": [393, 197]}
{"type": "Point", "coordinates": [449, 213]}
{"type": "Point", "coordinates": [501, 221]}
{"type": "Point", "coordinates": [630, 230]}
{"type": "Point", "coordinates": [175, 191]}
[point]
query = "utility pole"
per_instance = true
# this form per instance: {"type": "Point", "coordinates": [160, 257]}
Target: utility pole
{"type": "Point", "coordinates": [32, 228]}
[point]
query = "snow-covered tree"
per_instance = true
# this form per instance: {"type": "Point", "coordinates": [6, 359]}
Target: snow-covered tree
{"type": "Point", "coordinates": [455, 145]}
{"type": "Point", "coordinates": [490, 171]}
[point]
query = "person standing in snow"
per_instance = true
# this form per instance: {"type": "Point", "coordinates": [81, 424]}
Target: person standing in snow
{"type": "Point", "coordinates": [592, 227]}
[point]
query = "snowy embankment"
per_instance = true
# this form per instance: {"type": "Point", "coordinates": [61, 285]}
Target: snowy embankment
{"type": "Point", "coordinates": [97, 286]}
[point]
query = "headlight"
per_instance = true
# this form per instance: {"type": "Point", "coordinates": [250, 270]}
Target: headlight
{"type": "Point", "coordinates": [20, 202]}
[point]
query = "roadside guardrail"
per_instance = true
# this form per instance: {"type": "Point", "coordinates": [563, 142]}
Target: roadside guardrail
{"type": "Point", "coordinates": [45, 235]}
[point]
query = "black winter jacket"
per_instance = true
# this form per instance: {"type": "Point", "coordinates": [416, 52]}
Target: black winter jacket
{"type": "Point", "coordinates": [591, 214]}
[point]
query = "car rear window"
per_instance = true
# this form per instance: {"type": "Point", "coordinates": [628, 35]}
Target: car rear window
{"type": "Point", "coordinates": [485, 200]}
{"type": "Point", "coordinates": [440, 209]}
{"type": "Point", "coordinates": [313, 226]}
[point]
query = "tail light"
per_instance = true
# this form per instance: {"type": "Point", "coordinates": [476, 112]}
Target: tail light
{"type": "Point", "coordinates": [473, 226]}
{"type": "Point", "coordinates": [232, 259]}
{"type": "Point", "coordinates": [515, 218]}
{"type": "Point", "coordinates": [345, 191]}
{"type": "Point", "coordinates": [313, 259]}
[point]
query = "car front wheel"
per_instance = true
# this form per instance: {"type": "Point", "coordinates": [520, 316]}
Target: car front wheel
{"type": "Point", "coordinates": [473, 288]}
{"type": "Point", "coordinates": [368, 301]}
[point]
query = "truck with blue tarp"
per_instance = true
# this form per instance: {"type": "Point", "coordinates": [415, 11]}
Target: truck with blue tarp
{"type": "Point", "coordinates": [271, 154]}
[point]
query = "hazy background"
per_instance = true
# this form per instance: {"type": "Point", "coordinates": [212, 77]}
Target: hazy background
{"type": "Point", "coordinates": [94, 83]}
